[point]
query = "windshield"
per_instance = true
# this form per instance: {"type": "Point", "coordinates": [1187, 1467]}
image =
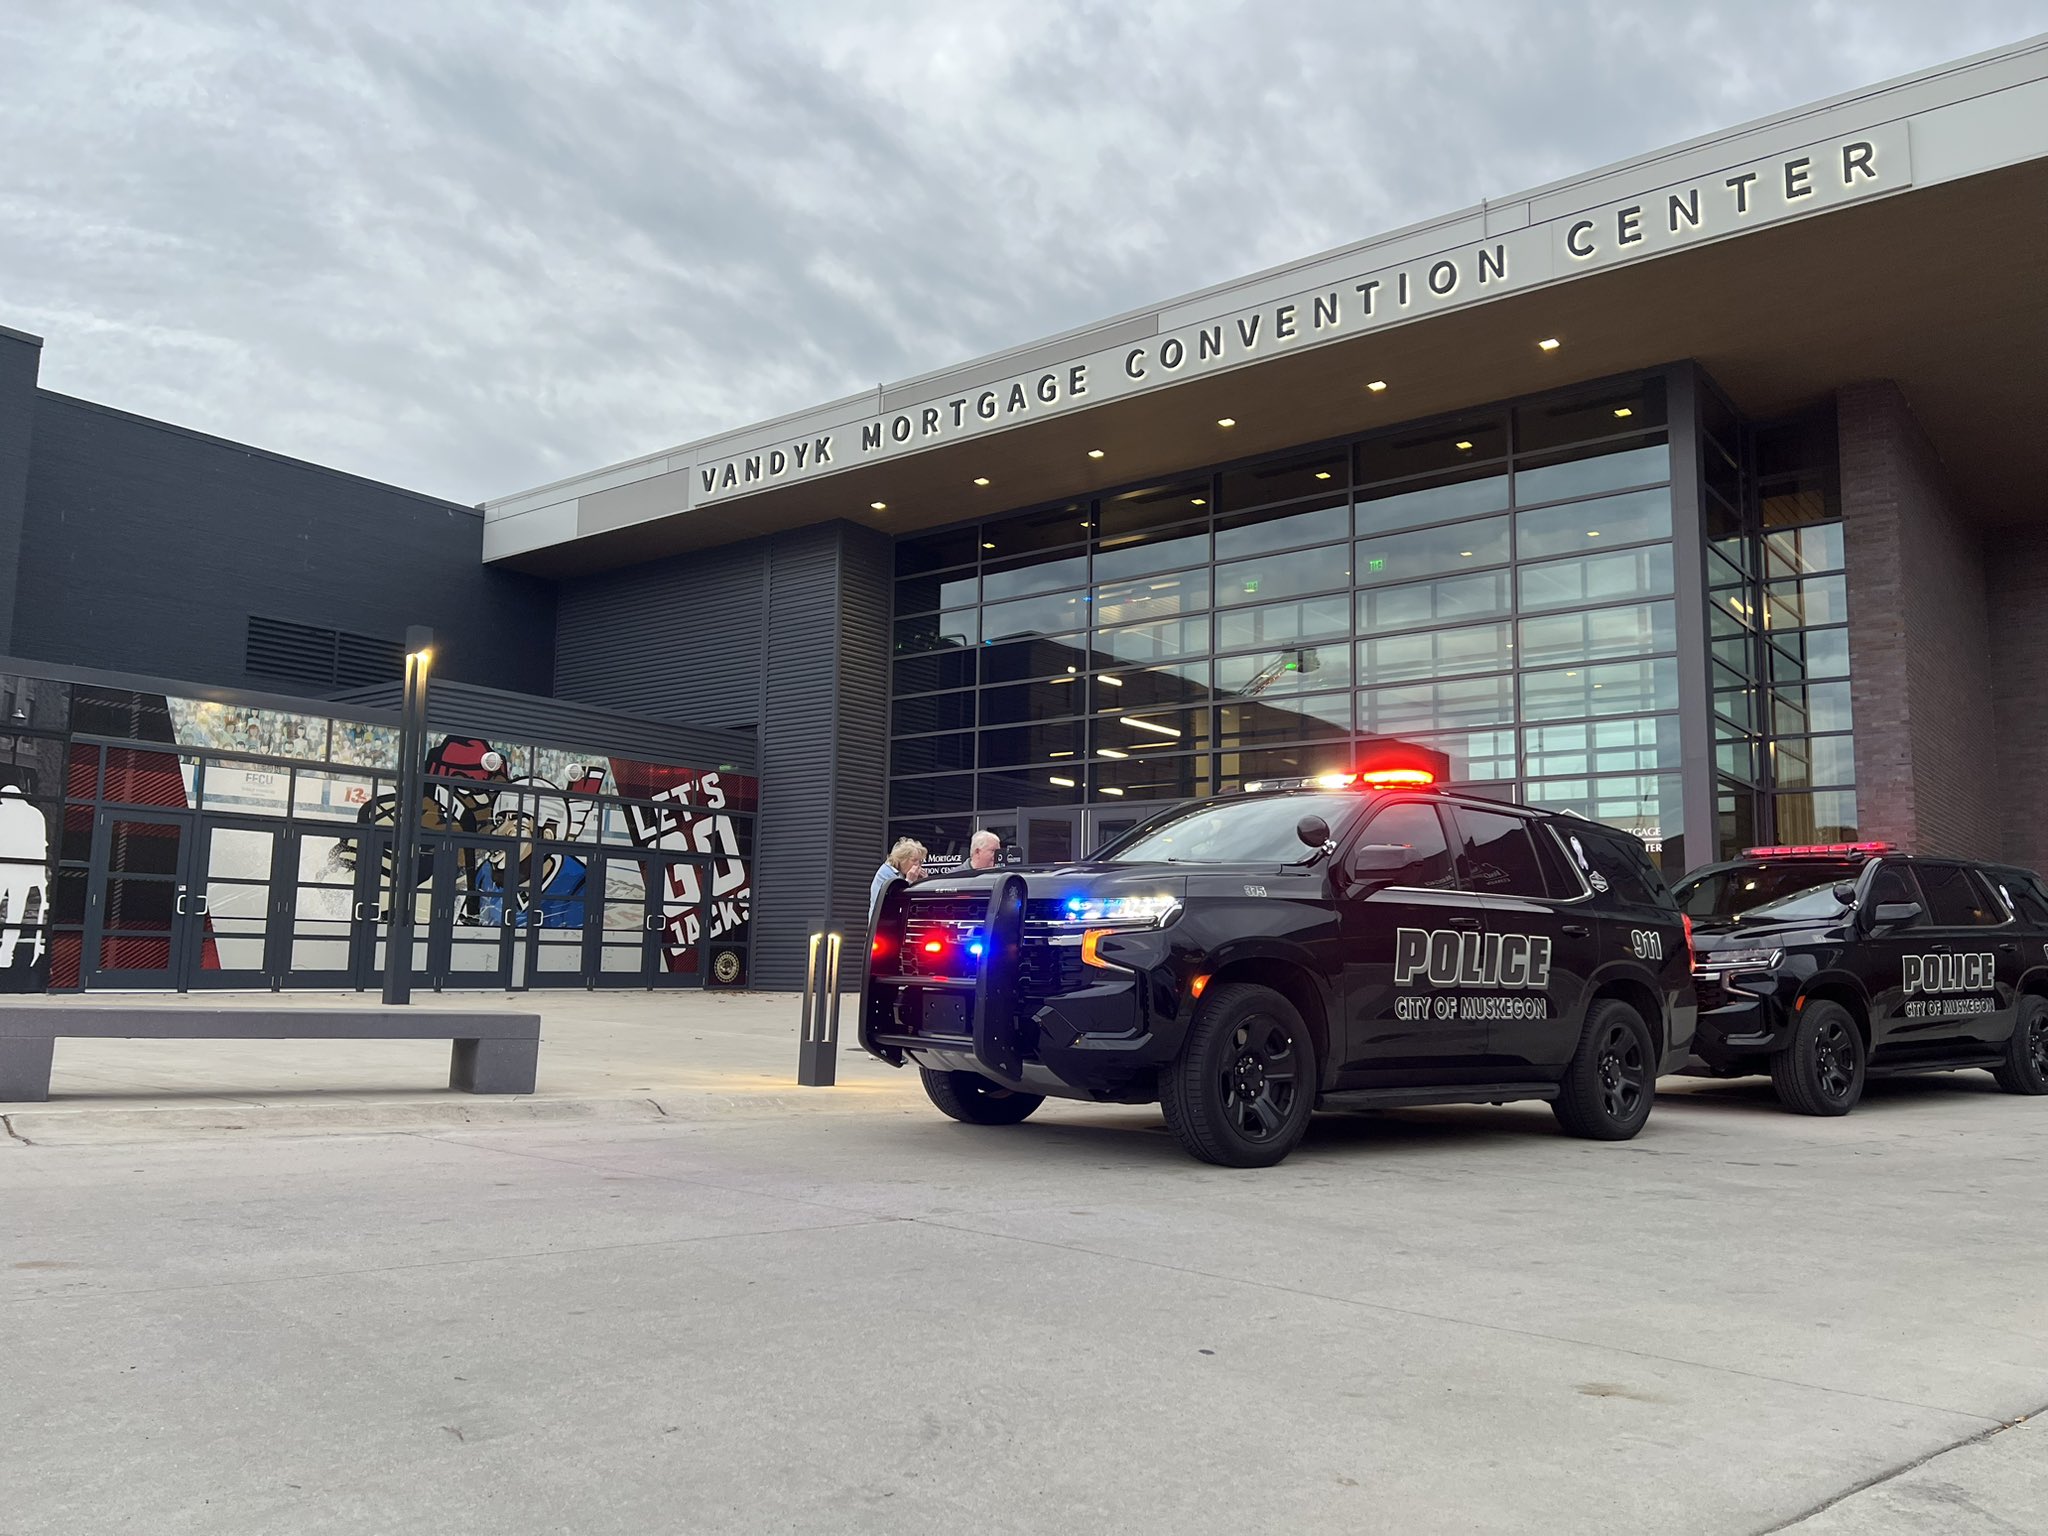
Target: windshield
{"type": "Point", "coordinates": [1801, 906]}
{"type": "Point", "coordinates": [1255, 830]}
{"type": "Point", "coordinates": [1727, 893]}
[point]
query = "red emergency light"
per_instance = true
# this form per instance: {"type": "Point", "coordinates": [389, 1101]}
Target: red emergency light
{"type": "Point", "coordinates": [1820, 851]}
{"type": "Point", "coordinates": [934, 946]}
{"type": "Point", "coordinates": [1397, 778]}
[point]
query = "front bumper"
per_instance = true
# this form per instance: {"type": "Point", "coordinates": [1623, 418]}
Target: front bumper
{"type": "Point", "coordinates": [1744, 1015]}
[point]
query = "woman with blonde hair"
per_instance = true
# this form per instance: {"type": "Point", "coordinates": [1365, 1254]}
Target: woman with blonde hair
{"type": "Point", "coordinates": [905, 859]}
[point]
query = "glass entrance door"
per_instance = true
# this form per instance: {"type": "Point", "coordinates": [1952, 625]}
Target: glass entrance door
{"type": "Point", "coordinates": [469, 909]}
{"type": "Point", "coordinates": [236, 893]}
{"type": "Point", "coordinates": [1050, 837]}
{"type": "Point", "coordinates": [560, 921]}
{"type": "Point", "coordinates": [654, 913]}
{"type": "Point", "coordinates": [139, 920]}
{"type": "Point", "coordinates": [337, 912]}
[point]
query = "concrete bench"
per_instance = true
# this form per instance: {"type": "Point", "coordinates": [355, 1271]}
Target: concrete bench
{"type": "Point", "coordinates": [495, 1051]}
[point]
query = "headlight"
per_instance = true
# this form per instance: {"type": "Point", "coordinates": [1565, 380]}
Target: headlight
{"type": "Point", "coordinates": [1120, 911]}
{"type": "Point", "coordinates": [1741, 959]}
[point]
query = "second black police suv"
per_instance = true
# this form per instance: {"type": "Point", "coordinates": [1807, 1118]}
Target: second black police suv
{"type": "Point", "coordinates": [1353, 941]}
{"type": "Point", "coordinates": [1825, 965]}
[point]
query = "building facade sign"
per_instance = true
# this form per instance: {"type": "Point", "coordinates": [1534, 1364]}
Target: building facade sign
{"type": "Point", "coordinates": [1343, 302]}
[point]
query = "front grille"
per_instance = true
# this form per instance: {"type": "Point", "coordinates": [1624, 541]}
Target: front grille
{"type": "Point", "coordinates": [1711, 990]}
{"type": "Point", "coordinates": [968, 908]}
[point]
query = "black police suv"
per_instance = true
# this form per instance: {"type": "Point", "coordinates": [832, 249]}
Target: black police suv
{"type": "Point", "coordinates": [1338, 943]}
{"type": "Point", "coordinates": [1826, 965]}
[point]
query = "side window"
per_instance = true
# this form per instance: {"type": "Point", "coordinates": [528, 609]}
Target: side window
{"type": "Point", "coordinates": [2024, 895]}
{"type": "Point", "coordinates": [1560, 880]}
{"type": "Point", "coordinates": [1613, 866]}
{"type": "Point", "coordinates": [1894, 882]}
{"type": "Point", "coordinates": [1955, 900]}
{"type": "Point", "coordinates": [1497, 854]}
{"type": "Point", "coordinates": [1414, 824]}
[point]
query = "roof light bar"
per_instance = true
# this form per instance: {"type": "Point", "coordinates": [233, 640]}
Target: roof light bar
{"type": "Point", "coordinates": [1819, 850]}
{"type": "Point", "coordinates": [1388, 778]}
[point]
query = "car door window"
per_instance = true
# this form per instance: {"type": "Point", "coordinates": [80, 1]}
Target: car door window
{"type": "Point", "coordinates": [2025, 898]}
{"type": "Point", "coordinates": [1414, 824]}
{"type": "Point", "coordinates": [1561, 882]}
{"type": "Point", "coordinates": [1894, 883]}
{"type": "Point", "coordinates": [1496, 856]}
{"type": "Point", "coordinates": [1955, 899]}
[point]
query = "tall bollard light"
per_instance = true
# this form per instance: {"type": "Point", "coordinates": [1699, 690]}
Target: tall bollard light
{"type": "Point", "coordinates": [405, 838]}
{"type": "Point", "coordinates": [817, 1056]}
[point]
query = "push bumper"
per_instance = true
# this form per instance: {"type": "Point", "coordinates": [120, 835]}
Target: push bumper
{"type": "Point", "coordinates": [1751, 1016]}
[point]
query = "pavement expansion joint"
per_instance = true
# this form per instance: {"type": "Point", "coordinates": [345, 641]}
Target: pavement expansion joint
{"type": "Point", "coordinates": [1891, 1474]}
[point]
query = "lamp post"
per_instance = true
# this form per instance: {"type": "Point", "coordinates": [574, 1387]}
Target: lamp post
{"type": "Point", "coordinates": [405, 842]}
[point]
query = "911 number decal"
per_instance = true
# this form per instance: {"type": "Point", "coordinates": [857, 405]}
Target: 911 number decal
{"type": "Point", "coordinates": [1646, 943]}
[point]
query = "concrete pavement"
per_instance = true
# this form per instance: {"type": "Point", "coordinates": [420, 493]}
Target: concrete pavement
{"type": "Point", "coordinates": [855, 1315]}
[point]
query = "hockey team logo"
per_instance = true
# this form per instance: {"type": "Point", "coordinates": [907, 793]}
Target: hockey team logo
{"type": "Point", "coordinates": [1448, 957]}
{"type": "Point", "coordinates": [1950, 973]}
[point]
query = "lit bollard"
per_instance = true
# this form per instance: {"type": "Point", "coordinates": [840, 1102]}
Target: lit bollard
{"type": "Point", "coordinates": [817, 1055]}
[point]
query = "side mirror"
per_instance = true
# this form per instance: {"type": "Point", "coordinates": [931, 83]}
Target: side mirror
{"type": "Point", "coordinates": [1372, 863]}
{"type": "Point", "coordinates": [1895, 912]}
{"type": "Point", "coordinates": [1845, 893]}
{"type": "Point", "coordinates": [1313, 831]}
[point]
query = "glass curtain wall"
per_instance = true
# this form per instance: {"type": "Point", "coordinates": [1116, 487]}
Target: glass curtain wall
{"type": "Point", "coordinates": [1496, 586]}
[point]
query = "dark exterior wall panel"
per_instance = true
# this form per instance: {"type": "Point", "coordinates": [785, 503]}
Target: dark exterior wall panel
{"type": "Point", "coordinates": [1919, 639]}
{"type": "Point", "coordinates": [20, 357]}
{"type": "Point", "coordinates": [2019, 690]}
{"type": "Point", "coordinates": [148, 547]}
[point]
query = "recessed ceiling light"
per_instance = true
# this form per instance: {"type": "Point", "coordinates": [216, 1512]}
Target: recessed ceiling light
{"type": "Point", "coordinates": [1199, 501]}
{"type": "Point", "coordinates": [1623, 410]}
{"type": "Point", "coordinates": [1226, 421]}
{"type": "Point", "coordinates": [1063, 783]}
{"type": "Point", "coordinates": [1111, 752]}
{"type": "Point", "coordinates": [1464, 554]}
{"type": "Point", "coordinates": [879, 506]}
{"type": "Point", "coordinates": [1109, 790]}
{"type": "Point", "coordinates": [1094, 453]}
{"type": "Point", "coordinates": [1322, 474]}
{"type": "Point", "coordinates": [1377, 386]}
{"type": "Point", "coordinates": [986, 545]}
{"type": "Point", "coordinates": [1592, 533]}
{"type": "Point", "coordinates": [1463, 445]}
{"type": "Point", "coordinates": [1549, 344]}
{"type": "Point", "coordinates": [981, 479]}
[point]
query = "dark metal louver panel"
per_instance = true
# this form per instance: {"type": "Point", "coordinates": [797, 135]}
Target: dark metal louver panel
{"type": "Point", "coordinates": [319, 658]}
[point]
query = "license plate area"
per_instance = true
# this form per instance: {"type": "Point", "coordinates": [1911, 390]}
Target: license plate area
{"type": "Point", "coordinates": [945, 1013]}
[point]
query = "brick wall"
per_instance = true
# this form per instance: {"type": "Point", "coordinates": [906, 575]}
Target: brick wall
{"type": "Point", "coordinates": [2018, 581]}
{"type": "Point", "coordinates": [1919, 637]}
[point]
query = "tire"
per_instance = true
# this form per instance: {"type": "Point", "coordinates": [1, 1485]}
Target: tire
{"type": "Point", "coordinates": [973, 1099]}
{"type": "Point", "coordinates": [1821, 1072]}
{"type": "Point", "coordinates": [2025, 1068]}
{"type": "Point", "coordinates": [1244, 1085]}
{"type": "Point", "coordinates": [1611, 1083]}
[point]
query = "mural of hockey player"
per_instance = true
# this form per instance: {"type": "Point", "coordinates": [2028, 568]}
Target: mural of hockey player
{"type": "Point", "coordinates": [546, 881]}
{"type": "Point", "coordinates": [459, 793]}
{"type": "Point", "coordinates": [24, 887]}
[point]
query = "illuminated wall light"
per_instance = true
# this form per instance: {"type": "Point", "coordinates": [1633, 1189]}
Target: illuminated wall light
{"type": "Point", "coordinates": [1112, 752]}
{"type": "Point", "coordinates": [1107, 790]}
{"type": "Point", "coordinates": [1592, 533]}
{"type": "Point", "coordinates": [981, 479]}
{"type": "Point", "coordinates": [1226, 421]}
{"type": "Point", "coordinates": [878, 506]}
{"type": "Point", "coordinates": [1624, 411]}
{"type": "Point", "coordinates": [1549, 344]}
{"type": "Point", "coordinates": [1059, 754]}
{"type": "Point", "coordinates": [1149, 725]}
{"type": "Point", "coordinates": [1463, 446]}
{"type": "Point", "coordinates": [1378, 386]}
{"type": "Point", "coordinates": [1464, 554]}
{"type": "Point", "coordinates": [1063, 783]}
{"type": "Point", "coordinates": [987, 545]}
{"type": "Point", "coordinates": [1094, 453]}
{"type": "Point", "coordinates": [1199, 501]}
{"type": "Point", "coordinates": [1322, 474]}
{"type": "Point", "coordinates": [1112, 680]}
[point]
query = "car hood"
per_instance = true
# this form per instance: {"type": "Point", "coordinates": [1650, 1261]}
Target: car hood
{"type": "Point", "coordinates": [1709, 936]}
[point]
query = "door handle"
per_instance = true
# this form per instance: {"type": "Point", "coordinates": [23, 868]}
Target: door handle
{"type": "Point", "coordinates": [1577, 931]}
{"type": "Point", "coordinates": [2008, 949]}
{"type": "Point", "coordinates": [205, 906]}
{"type": "Point", "coordinates": [1463, 922]}
{"type": "Point", "coordinates": [655, 921]}
{"type": "Point", "coordinates": [180, 908]}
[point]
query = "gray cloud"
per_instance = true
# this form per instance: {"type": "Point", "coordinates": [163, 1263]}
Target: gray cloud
{"type": "Point", "coordinates": [471, 248]}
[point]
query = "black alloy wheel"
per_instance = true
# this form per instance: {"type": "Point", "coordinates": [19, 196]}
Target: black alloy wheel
{"type": "Point", "coordinates": [1607, 1091]}
{"type": "Point", "coordinates": [1821, 1071]}
{"type": "Point", "coordinates": [975, 1100]}
{"type": "Point", "coordinates": [1244, 1086]}
{"type": "Point", "coordinates": [2025, 1068]}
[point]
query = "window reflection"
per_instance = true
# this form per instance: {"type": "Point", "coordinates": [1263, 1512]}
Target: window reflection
{"type": "Point", "coordinates": [1402, 556]}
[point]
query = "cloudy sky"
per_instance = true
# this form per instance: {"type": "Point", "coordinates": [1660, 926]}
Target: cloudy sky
{"type": "Point", "coordinates": [471, 247]}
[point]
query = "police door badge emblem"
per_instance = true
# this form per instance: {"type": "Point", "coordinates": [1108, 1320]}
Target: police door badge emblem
{"type": "Point", "coordinates": [725, 966]}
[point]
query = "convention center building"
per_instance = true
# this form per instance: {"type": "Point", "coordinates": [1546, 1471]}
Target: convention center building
{"type": "Point", "coordinates": [1702, 494]}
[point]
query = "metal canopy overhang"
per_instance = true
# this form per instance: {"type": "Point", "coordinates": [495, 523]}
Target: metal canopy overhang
{"type": "Point", "coordinates": [1940, 289]}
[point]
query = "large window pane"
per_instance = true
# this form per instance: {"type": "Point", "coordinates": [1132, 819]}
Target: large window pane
{"type": "Point", "coordinates": [1019, 660]}
{"type": "Point", "coordinates": [1455, 444]}
{"type": "Point", "coordinates": [1004, 748]}
{"type": "Point", "coordinates": [952, 630]}
{"type": "Point", "coordinates": [1799, 762]}
{"type": "Point", "coordinates": [1614, 688]}
{"type": "Point", "coordinates": [1306, 474]}
{"type": "Point", "coordinates": [1591, 747]}
{"type": "Point", "coordinates": [916, 594]}
{"type": "Point", "coordinates": [1020, 703]}
{"type": "Point", "coordinates": [1476, 756]}
{"type": "Point", "coordinates": [1149, 731]}
{"type": "Point", "coordinates": [1449, 601]}
{"type": "Point", "coordinates": [1322, 717]}
{"type": "Point", "coordinates": [1811, 653]}
{"type": "Point", "coordinates": [1578, 527]}
{"type": "Point", "coordinates": [1426, 706]}
{"type": "Point", "coordinates": [1151, 778]}
{"type": "Point", "coordinates": [932, 754]}
{"type": "Point", "coordinates": [1409, 506]}
{"type": "Point", "coordinates": [1255, 533]}
{"type": "Point", "coordinates": [1579, 415]}
{"type": "Point", "coordinates": [1152, 506]}
{"type": "Point", "coordinates": [1798, 551]}
{"type": "Point", "coordinates": [1599, 632]}
{"type": "Point", "coordinates": [1034, 616]}
{"type": "Point", "coordinates": [1021, 578]}
{"type": "Point", "coordinates": [1816, 707]}
{"type": "Point", "coordinates": [1398, 557]}
{"type": "Point", "coordinates": [1590, 472]}
{"type": "Point", "coordinates": [1149, 687]}
{"type": "Point", "coordinates": [931, 797]}
{"type": "Point", "coordinates": [1295, 670]}
{"type": "Point", "coordinates": [952, 668]}
{"type": "Point", "coordinates": [1274, 576]}
{"type": "Point", "coordinates": [1147, 599]}
{"type": "Point", "coordinates": [1152, 642]}
{"type": "Point", "coordinates": [1650, 806]}
{"type": "Point", "coordinates": [1239, 768]}
{"type": "Point", "coordinates": [1048, 529]}
{"type": "Point", "coordinates": [1599, 578]}
{"type": "Point", "coordinates": [1319, 618]}
{"type": "Point", "coordinates": [1056, 784]}
{"type": "Point", "coordinates": [1435, 653]}
{"type": "Point", "coordinates": [1791, 604]}
{"type": "Point", "coordinates": [1824, 816]}
{"type": "Point", "coordinates": [1137, 555]}
{"type": "Point", "coordinates": [933, 712]}
{"type": "Point", "coordinates": [935, 551]}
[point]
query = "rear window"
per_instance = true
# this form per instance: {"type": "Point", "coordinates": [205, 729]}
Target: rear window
{"type": "Point", "coordinates": [1621, 864]}
{"type": "Point", "coordinates": [2023, 893]}
{"type": "Point", "coordinates": [1957, 898]}
{"type": "Point", "coordinates": [1733, 891]}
